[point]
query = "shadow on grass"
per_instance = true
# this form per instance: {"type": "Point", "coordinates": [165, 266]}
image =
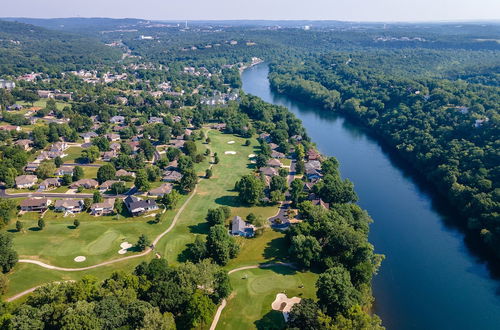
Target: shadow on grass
{"type": "Point", "coordinates": [12, 231]}
{"type": "Point", "coordinates": [34, 229]}
{"type": "Point", "coordinates": [72, 227]}
{"type": "Point", "coordinates": [282, 270]}
{"type": "Point", "coordinates": [231, 201]}
{"type": "Point", "coordinates": [201, 228]}
{"type": "Point", "coordinates": [276, 249]}
{"type": "Point", "coordinates": [273, 320]}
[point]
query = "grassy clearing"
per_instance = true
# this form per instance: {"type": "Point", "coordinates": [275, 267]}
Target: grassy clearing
{"type": "Point", "coordinates": [249, 307]}
{"type": "Point", "coordinates": [72, 154]}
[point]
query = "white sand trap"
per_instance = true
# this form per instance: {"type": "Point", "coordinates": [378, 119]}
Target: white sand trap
{"type": "Point", "coordinates": [126, 245]}
{"type": "Point", "coordinates": [122, 251]}
{"type": "Point", "coordinates": [230, 142]}
{"type": "Point", "coordinates": [253, 161]}
{"type": "Point", "coordinates": [80, 259]}
{"type": "Point", "coordinates": [230, 152]}
{"type": "Point", "coordinates": [284, 304]}
{"type": "Point", "coordinates": [251, 156]}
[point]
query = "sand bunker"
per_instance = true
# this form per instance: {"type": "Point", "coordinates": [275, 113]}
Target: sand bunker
{"type": "Point", "coordinates": [80, 259]}
{"type": "Point", "coordinates": [253, 161]}
{"type": "Point", "coordinates": [124, 247]}
{"type": "Point", "coordinates": [284, 304]}
{"type": "Point", "coordinates": [230, 152]}
{"type": "Point", "coordinates": [251, 156]}
{"type": "Point", "coordinates": [230, 142]}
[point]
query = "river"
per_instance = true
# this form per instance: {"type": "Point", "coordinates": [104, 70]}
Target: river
{"type": "Point", "coordinates": [429, 279]}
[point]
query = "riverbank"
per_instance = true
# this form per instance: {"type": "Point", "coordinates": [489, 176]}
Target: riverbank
{"type": "Point", "coordinates": [426, 257]}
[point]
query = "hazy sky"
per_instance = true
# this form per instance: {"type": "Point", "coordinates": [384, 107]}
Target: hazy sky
{"type": "Point", "coordinates": [350, 10]}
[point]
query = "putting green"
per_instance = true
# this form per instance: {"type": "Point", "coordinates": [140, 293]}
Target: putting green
{"type": "Point", "coordinates": [254, 290]}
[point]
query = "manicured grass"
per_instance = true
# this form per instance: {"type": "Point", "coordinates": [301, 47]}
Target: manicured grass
{"type": "Point", "coordinates": [43, 102]}
{"type": "Point", "coordinates": [249, 306]}
{"type": "Point", "coordinates": [72, 154]}
{"type": "Point", "coordinates": [214, 192]}
{"type": "Point", "coordinates": [286, 161]}
{"type": "Point", "coordinates": [90, 172]}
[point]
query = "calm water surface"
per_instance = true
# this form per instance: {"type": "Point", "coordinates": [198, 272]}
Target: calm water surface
{"type": "Point", "coordinates": [429, 279]}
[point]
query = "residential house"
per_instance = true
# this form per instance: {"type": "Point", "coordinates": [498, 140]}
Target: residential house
{"type": "Point", "coordinates": [117, 120]}
{"type": "Point", "coordinates": [268, 171]}
{"type": "Point", "coordinates": [313, 174]}
{"type": "Point", "coordinates": [7, 84]}
{"type": "Point", "coordinates": [49, 183]}
{"type": "Point", "coordinates": [25, 181]}
{"type": "Point", "coordinates": [219, 127]}
{"type": "Point", "coordinates": [31, 167]}
{"type": "Point", "coordinates": [108, 155]}
{"type": "Point", "coordinates": [321, 203]}
{"type": "Point", "coordinates": [177, 143]}
{"type": "Point", "coordinates": [63, 170]}
{"type": "Point", "coordinates": [25, 144]}
{"type": "Point", "coordinates": [313, 165]}
{"type": "Point", "coordinates": [266, 137]}
{"type": "Point", "coordinates": [122, 173]}
{"type": "Point", "coordinates": [69, 205]}
{"type": "Point", "coordinates": [112, 137]}
{"type": "Point", "coordinates": [15, 107]}
{"type": "Point", "coordinates": [277, 154]}
{"type": "Point", "coordinates": [137, 206]}
{"type": "Point", "coordinates": [242, 228]}
{"type": "Point", "coordinates": [104, 208]}
{"type": "Point", "coordinates": [155, 120]}
{"type": "Point", "coordinates": [274, 163]}
{"type": "Point", "coordinates": [115, 146]}
{"type": "Point", "coordinates": [171, 176]}
{"type": "Point", "coordinates": [273, 146]}
{"type": "Point", "coordinates": [87, 137]}
{"type": "Point", "coordinates": [59, 147]}
{"type": "Point", "coordinates": [34, 204]}
{"type": "Point", "coordinates": [313, 155]}
{"type": "Point", "coordinates": [43, 94]}
{"type": "Point", "coordinates": [106, 185]}
{"type": "Point", "coordinates": [164, 189]}
{"type": "Point", "coordinates": [10, 128]}
{"type": "Point", "coordinates": [85, 183]}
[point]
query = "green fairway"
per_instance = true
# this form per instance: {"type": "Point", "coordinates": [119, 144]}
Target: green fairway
{"type": "Point", "coordinates": [214, 192]}
{"type": "Point", "coordinates": [249, 306]}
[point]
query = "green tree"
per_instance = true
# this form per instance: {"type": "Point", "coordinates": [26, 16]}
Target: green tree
{"type": "Point", "coordinates": [142, 243]}
{"type": "Point", "coordinates": [76, 223]}
{"type": "Point", "coordinates": [8, 256]}
{"type": "Point", "coordinates": [91, 154]}
{"type": "Point", "coordinates": [217, 216]}
{"type": "Point", "coordinates": [106, 172]}
{"type": "Point", "coordinates": [67, 179]}
{"type": "Point", "coordinates": [45, 170]}
{"type": "Point", "coordinates": [199, 311]}
{"type": "Point", "coordinates": [188, 180]}
{"type": "Point", "coordinates": [141, 180]}
{"type": "Point", "coordinates": [305, 249]}
{"type": "Point", "coordinates": [220, 245]}
{"type": "Point", "coordinates": [78, 173]}
{"type": "Point", "coordinates": [198, 249]}
{"type": "Point", "coordinates": [335, 291]}
{"type": "Point", "coordinates": [118, 188]}
{"type": "Point", "coordinates": [250, 189]}
{"type": "Point", "coordinates": [208, 173]}
{"type": "Point", "coordinates": [97, 197]}
{"type": "Point", "coordinates": [118, 206]}
{"type": "Point", "coordinates": [41, 224]}
{"type": "Point", "coordinates": [58, 161]}
{"type": "Point", "coordinates": [147, 147]}
{"type": "Point", "coordinates": [101, 143]}
{"type": "Point", "coordinates": [19, 225]}
{"type": "Point", "coordinates": [170, 200]}
{"type": "Point", "coordinates": [278, 183]}
{"type": "Point", "coordinates": [7, 210]}
{"type": "Point", "coordinates": [190, 148]}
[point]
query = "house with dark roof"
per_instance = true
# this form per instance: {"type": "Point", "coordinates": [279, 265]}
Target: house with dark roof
{"type": "Point", "coordinates": [242, 228]}
{"type": "Point", "coordinates": [137, 206]}
{"type": "Point", "coordinates": [268, 171]}
{"type": "Point", "coordinates": [274, 163]}
{"type": "Point", "coordinates": [106, 185]}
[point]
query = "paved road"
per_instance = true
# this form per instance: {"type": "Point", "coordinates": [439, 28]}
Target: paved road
{"type": "Point", "coordinates": [83, 165]}
{"type": "Point", "coordinates": [3, 194]}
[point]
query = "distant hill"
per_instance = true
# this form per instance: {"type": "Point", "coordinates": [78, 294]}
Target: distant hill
{"type": "Point", "coordinates": [25, 48]}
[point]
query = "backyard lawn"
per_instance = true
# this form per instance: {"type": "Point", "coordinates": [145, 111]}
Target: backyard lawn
{"type": "Point", "coordinates": [249, 306]}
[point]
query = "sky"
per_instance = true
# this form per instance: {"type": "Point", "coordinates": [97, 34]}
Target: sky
{"type": "Point", "coordinates": [345, 10]}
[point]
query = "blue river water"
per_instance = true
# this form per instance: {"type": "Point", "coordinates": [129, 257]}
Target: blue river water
{"type": "Point", "coordinates": [429, 278]}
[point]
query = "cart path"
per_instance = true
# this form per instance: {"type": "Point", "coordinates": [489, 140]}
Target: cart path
{"type": "Point", "coordinates": [109, 262]}
{"type": "Point", "coordinates": [224, 301]}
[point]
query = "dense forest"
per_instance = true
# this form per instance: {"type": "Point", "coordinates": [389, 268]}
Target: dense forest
{"type": "Point", "coordinates": [448, 129]}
